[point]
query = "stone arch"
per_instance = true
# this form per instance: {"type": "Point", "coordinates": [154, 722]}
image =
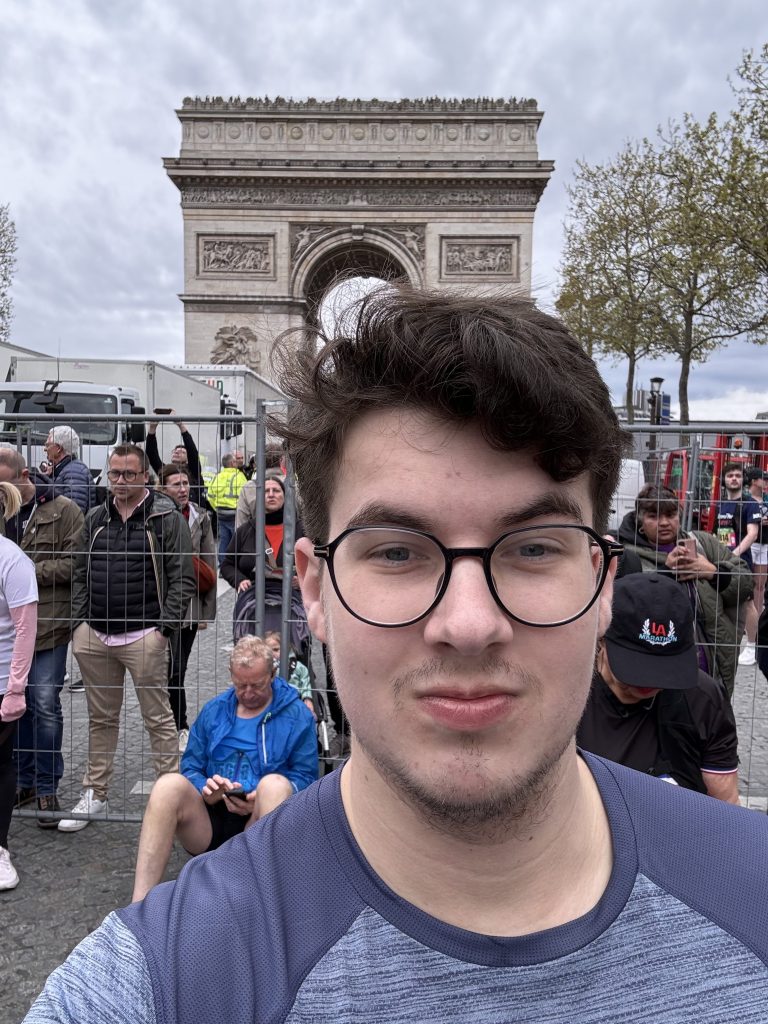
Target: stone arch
{"type": "Point", "coordinates": [281, 197]}
{"type": "Point", "coordinates": [340, 253]}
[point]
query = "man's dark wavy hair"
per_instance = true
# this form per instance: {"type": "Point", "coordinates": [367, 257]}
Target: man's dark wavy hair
{"type": "Point", "coordinates": [497, 362]}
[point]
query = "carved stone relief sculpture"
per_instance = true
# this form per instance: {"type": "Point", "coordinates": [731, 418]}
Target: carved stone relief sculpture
{"type": "Point", "coordinates": [234, 344]}
{"type": "Point", "coordinates": [480, 257]}
{"type": "Point", "coordinates": [236, 254]}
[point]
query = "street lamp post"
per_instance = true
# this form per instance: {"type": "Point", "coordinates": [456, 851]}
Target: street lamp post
{"type": "Point", "coordinates": [654, 402]}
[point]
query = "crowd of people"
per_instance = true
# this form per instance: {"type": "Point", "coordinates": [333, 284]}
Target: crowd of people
{"type": "Point", "coordinates": [456, 458]}
{"type": "Point", "coordinates": [128, 581]}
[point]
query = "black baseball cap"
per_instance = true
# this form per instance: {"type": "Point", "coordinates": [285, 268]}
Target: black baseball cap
{"type": "Point", "coordinates": [650, 642]}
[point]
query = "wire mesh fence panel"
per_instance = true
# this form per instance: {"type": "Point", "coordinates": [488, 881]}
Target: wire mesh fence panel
{"type": "Point", "coordinates": [155, 546]}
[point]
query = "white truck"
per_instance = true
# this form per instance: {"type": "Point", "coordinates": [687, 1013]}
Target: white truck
{"type": "Point", "coordinates": [240, 389]}
{"type": "Point", "coordinates": [95, 387]}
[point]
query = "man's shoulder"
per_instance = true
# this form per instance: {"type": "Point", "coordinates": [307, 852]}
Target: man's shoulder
{"type": "Point", "coordinates": [710, 855]}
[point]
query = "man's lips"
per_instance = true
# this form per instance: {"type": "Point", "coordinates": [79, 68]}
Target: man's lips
{"type": "Point", "coordinates": [467, 710]}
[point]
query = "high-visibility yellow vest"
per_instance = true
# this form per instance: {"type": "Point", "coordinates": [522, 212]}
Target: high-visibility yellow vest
{"type": "Point", "coordinates": [224, 489]}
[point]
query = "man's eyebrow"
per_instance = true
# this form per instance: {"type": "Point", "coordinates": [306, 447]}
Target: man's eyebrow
{"type": "Point", "coordinates": [553, 504]}
{"type": "Point", "coordinates": [377, 514]}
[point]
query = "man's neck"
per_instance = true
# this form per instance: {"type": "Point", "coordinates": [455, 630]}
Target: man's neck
{"type": "Point", "coordinates": [127, 508]}
{"type": "Point", "coordinates": [27, 492]}
{"type": "Point", "coordinates": [551, 869]}
{"type": "Point", "coordinates": [733, 495]}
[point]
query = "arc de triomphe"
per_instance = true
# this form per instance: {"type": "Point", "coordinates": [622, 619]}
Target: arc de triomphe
{"type": "Point", "coordinates": [280, 198]}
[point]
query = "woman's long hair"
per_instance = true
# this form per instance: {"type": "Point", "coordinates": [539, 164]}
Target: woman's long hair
{"type": "Point", "coordinates": [10, 501]}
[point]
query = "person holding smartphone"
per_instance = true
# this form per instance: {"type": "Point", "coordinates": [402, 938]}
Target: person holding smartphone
{"type": "Point", "coordinates": [715, 579]}
{"type": "Point", "coordinates": [250, 748]}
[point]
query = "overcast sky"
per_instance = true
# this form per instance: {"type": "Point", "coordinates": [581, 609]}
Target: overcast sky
{"type": "Point", "coordinates": [88, 92]}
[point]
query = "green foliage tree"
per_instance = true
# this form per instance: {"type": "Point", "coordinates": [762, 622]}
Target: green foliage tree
{"type": "Point", "coordinates": [608, 294]}
{"type": "Point", "coordinates": [666, 247]}
{"type": "Point", "coordinates": [7, 267]}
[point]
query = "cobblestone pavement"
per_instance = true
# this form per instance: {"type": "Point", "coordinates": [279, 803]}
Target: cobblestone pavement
{"type": "Point", "coordinates": [70, 882]}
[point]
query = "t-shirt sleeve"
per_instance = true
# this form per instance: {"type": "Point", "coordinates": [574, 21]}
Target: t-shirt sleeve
{"type": "Point", "coordinates": [720, 749]}
{"type": "Point", "coordinates": [104, 980]}
{"type": "Point", "coordinates": [752, 514]}
{"type": "Point", "coordinates": [19, 583]}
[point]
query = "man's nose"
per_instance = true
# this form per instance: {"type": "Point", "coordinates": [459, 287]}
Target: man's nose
{"type": "Point", "coordinates": [468, 617]}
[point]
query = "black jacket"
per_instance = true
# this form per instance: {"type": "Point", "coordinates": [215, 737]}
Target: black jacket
{"type": "Point", "coordinates": [136, 574]}
{"type": "Point", "coordinates": [196, 485]}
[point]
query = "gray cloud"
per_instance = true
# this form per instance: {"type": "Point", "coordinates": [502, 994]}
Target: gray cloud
{"type": "Point", "coordinates": [88, 92]}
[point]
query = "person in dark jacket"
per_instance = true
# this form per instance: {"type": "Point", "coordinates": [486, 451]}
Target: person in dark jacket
{"type": "Point", "coordinates": [238, 568]}
{"type": "Point", "coordinates": [651, 707]}
{"type": "Point", "coordinates": [71, 476]}
{"type": "Point", "coordinates": [184, 455]}
{"type": "Point", "coordinates": [132, 585]}
{"type": "Point", "coordinates": [222, 790]}
{"type": "Point", "coordinates": [715, 580]}
{"type": "Point", "coordinates": [47, 528]}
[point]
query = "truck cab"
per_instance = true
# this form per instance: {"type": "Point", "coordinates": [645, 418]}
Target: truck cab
{"type": "Point", "coordinates": [31, 399]}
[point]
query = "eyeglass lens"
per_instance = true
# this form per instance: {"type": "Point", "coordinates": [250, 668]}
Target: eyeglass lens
{"type": "Point", "coordinates": [129, 475]}
{"type": "Point", "coordinates": [542, 575]}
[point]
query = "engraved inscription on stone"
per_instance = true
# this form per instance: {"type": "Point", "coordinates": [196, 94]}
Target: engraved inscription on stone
{"type": "Point", "coordinates": [480, 257]}
{"type": "Point", "coordinates": [514, 197]}
{"type": "Point", "coordinates": [251, 255]}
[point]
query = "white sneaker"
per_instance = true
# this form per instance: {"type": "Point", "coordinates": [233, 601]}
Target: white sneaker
{"type": "Point", "coordinates": [747, 656]}
{"type": "Point", "coordinates": [8, 877]}
{"type": "Point", "coordinates": [87, 804]}
{"type": "Point", "coordinates": [183, 740]}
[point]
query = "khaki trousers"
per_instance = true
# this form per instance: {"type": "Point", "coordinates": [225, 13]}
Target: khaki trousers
{"type": "Point", "coordinates": [103, 671]}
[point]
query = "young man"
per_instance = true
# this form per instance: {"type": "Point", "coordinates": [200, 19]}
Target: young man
{"type": "Point", "coordinates": [757, 483]}
{"type": "Point", "coordinates": [651, 707]}
{"type": "Point", "coordinates": [250, 748]}
{"type": "Point", "coordinates": [132, 583]}
{"type": "Point", "coordinates": [737, 526]}
{"type": "Point", "coordinates": [457, 459]}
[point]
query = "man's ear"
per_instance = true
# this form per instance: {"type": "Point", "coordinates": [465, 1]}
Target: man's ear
{"type": "Point", "coordinates": [605, 600]}
{"type": "Point", "coordinates": [308, 569]}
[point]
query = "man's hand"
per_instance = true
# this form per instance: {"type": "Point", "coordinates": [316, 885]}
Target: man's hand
{"type": "Point", "coordinates": [216, 788]}
{"type": "Point", "coordinates": [182, 427]}
{"type": "Point", "coordinates": [13, 707]}
{"type": "Point", "coordinates": [244, 585]}
{"type": "Point", "coordinates": [311, 707]}
{"type": "Point", "coordinates": [687, 566]}
{"type": "Point", "coordinates": [152, 426]}
{"type": "Point", "coordinates": [242, 807]}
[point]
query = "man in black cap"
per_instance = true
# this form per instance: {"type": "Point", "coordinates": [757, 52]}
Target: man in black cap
{"type": "Point", "coordinates": [651, 707]}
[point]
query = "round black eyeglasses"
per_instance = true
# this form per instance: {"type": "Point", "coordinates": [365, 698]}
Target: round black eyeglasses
{"type": "Point", "coordinates": [546, 575]}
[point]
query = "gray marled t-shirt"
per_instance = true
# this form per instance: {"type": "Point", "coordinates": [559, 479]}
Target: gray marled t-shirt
{"type": "Point", "coordinates": [680, 934]}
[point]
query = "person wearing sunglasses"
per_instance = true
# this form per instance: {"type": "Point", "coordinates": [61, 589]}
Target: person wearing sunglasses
{"type": "Point", "coordinates": [456, 457]}
{"type": "Point", "coordinates": [131, 587]}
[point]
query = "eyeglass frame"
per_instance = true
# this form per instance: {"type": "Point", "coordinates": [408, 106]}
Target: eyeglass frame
{"type": "Point", "coordinates": [124, 474]}
{"type": "Point", "coordinates": [610, 550]}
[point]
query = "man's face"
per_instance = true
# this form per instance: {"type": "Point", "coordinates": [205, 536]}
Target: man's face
{"type": "Point", "coordinates": [132, 478]}
{"type": "Point", "coordinates": [661, 527]}
{"type": "Point", "coordinates": [466, 713]}
{"type": "Point", "coordinates": [253, 684]}
{"type": "Point", "coordinates": [54, 452]}
{"type": "Point", "coordinates": [8, 475]}
{"type": "Point", "coordinates": [734, 480]}
{"type": "Point", "coordinates": [238, 457]}
{"type": "Point", "coordinates": [177, 487]}
{"type": "Point", "coordinates": [179, 455]}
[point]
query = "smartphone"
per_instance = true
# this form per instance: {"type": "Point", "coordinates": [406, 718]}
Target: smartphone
{"type": "Point", "coordinates": [163, 412]}
{"type": "Point", "coordinates": [237, 794]}
{"type": "Point", "coordinates": [689, 543]}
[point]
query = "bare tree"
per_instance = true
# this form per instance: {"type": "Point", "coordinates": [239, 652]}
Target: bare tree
{"type": "Point", "coordinates": [7, 267]}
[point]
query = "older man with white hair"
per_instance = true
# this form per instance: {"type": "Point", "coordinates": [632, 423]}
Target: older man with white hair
{"type": "Point", "coordinates": [71, 477]}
